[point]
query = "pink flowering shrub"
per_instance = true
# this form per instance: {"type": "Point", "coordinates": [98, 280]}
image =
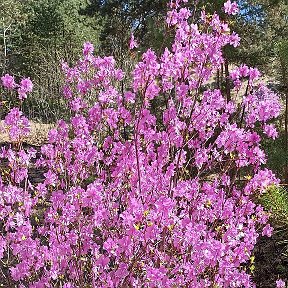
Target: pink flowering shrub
{"type": "Point", "coordinates": [23, 88]}
{"type": "Point", "coordinates": [131, 199]}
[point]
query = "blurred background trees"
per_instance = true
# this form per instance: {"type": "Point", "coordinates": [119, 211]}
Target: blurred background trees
{"type": "Point", "coordinates": [35, 37]}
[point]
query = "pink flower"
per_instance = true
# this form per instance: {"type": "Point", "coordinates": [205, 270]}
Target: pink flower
{"type": "Point", "coordinates": [234, 74]}
{"type": "Point", "coordinates": [8, 81]}
{"type": "Point", "coordinates": [133, 44]}
{"type": "Point", "coordinates": [244, 70]}
{"type": "Point", "coordinates": [231, 8]}
{"type": "Point", "coordinates": [280, 284]}
{"type": "Point", "coordinates": [18, 125]}
{"type": "Point", "coordinates": [270, 131]}
{"type": "Point", "coordinates": [129, 96]}
{"type": "Point", "coordinates": [88, 48]}
{"type": "Point", "coordinates": [234, 39]}
{"type": "Point", "coordinates": [26, 86]}
{"type": "Point", "coordinates": [2, 246]}
{"type": "Point", "coordinates": [267, 230]}
{"type": "Point", "coordinates": [254, 74]}
{"type": "Point", "coordinates": [68, 285]}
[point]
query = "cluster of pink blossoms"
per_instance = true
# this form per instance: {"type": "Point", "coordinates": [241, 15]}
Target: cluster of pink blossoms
{"type": "Point", "coordinates": [25, 86]}
{"type": "Point", "coordinates": [280, 283]}
{"type": "Point", "coordinates": [138, 196]}
{"type": "Point", "coordinates": [231, 8]}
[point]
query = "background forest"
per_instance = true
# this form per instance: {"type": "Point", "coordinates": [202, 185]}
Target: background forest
{"type": "Point", "coordinates": [36, 35]}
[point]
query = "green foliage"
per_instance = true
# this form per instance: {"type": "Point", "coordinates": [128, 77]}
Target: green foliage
{"type": "Point", "coordinates": [275, 150]}
{"type": "Point", "coordinates": [123, 17]}
{"type": "Point", "coordinates": [54, 31]}
{"type": "Point", "coordinates": [275, 199]}
{"type": "Point", "coordinates": [12, 19]}
{"type": "Point", "coordinates": [282, 50]}
{"type": "Point", "coordinates": [57, 22]}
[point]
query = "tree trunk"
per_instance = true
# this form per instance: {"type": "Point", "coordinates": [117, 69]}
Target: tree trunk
{"type": "Point", "coordinates": [227, 81]}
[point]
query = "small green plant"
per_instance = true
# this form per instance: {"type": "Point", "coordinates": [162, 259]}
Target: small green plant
{"type": "Point", "coordinates": [275, 199]}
